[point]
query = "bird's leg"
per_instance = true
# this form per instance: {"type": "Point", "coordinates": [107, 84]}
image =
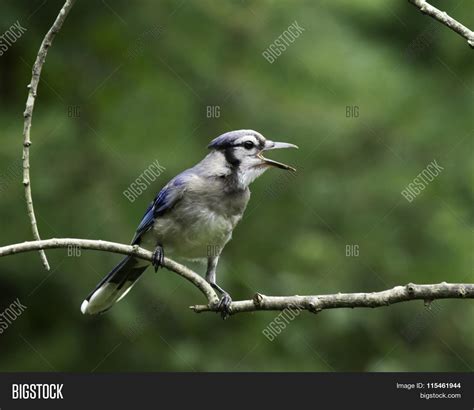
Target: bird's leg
{"type": "Point", "coordinates": [226, 300]}
{"type": "Point", "coordinates": [158, 257]}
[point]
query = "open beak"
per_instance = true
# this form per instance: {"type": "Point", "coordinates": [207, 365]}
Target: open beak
{"type": "Point", "coordinates": [269, 145]}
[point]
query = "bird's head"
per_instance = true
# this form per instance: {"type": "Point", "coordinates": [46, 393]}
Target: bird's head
{"type": "Point", "coordinates": [243, 151]}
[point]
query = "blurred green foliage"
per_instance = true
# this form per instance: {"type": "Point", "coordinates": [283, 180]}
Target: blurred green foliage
{"type": "Point", "coordinates": [140, 76]}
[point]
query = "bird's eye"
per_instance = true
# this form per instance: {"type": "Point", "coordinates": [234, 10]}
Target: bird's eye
{"type": "Point", "coordinates": [248, 145]}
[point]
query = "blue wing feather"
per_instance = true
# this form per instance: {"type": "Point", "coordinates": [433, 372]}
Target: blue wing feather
{"type": "Point", "coordinates": [164, 201]}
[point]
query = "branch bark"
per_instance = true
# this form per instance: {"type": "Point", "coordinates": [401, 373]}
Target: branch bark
{"type": "Point", "coordinates": [445, 19]}
{"type": "Point", "coordinates": [316, 304]}
{"type": "Point", "coordinates": [311, 303]}
{"type": "Point", "coordinates": [28, 114]}
{"type": "Point", "coordinates": [114, 247]}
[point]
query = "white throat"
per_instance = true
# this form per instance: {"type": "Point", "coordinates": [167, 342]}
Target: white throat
{"type": "Point", "coordinates": [246, 177]}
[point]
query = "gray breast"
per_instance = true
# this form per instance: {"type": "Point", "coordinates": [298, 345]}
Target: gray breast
{"type": "Point", "coordinates": [202, 220]}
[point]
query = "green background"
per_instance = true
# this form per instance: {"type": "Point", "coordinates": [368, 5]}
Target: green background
{"type": "Point", "coordinates": [140, 76]}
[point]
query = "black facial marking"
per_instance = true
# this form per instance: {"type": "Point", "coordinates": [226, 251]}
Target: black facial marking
{"type": "Point", "coordinates": [230, 157]}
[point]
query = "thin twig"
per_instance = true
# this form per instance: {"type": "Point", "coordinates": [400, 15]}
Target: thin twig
{"type": "Point", "coordinates": [28, 114]}
{"type": "Point", "coordinates": [443, 18]}
{"type": "Point", "coordinates": [313, 304]}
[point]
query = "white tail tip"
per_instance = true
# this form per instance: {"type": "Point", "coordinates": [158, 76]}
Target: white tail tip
{"type": "Point", "coordinates": [84, 307]}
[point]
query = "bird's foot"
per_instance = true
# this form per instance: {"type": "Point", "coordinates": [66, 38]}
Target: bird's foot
{"type": "Point", "coordinates": [158, 257]}
{"type": "Point", "coordinates": [224, 305]}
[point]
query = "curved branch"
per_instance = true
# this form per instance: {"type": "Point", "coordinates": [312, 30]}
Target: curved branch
{"type": "Point", "coordinates": [443, 18]}
{"type": "Point", "coordinates": [313, 304]}
{"type": "Point", "coordinates": [30, 103]}
{"type": "Point", "coordinates": [114, 247]}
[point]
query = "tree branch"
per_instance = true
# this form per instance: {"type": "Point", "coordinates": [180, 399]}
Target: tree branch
{"type": "Point", "coordinates": [28, 114]}
{"type": "Point", "coordinates": [443, 18]}
{"type": "Point", "coordinates": [316, 304]}
{"type": "Point", "coordinates": [313, 304]}
{"type": "Point", "coordinates": [114, 247]}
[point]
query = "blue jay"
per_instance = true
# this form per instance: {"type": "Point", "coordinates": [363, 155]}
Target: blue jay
{"type": "Point", "coordinates": [194, 213]}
